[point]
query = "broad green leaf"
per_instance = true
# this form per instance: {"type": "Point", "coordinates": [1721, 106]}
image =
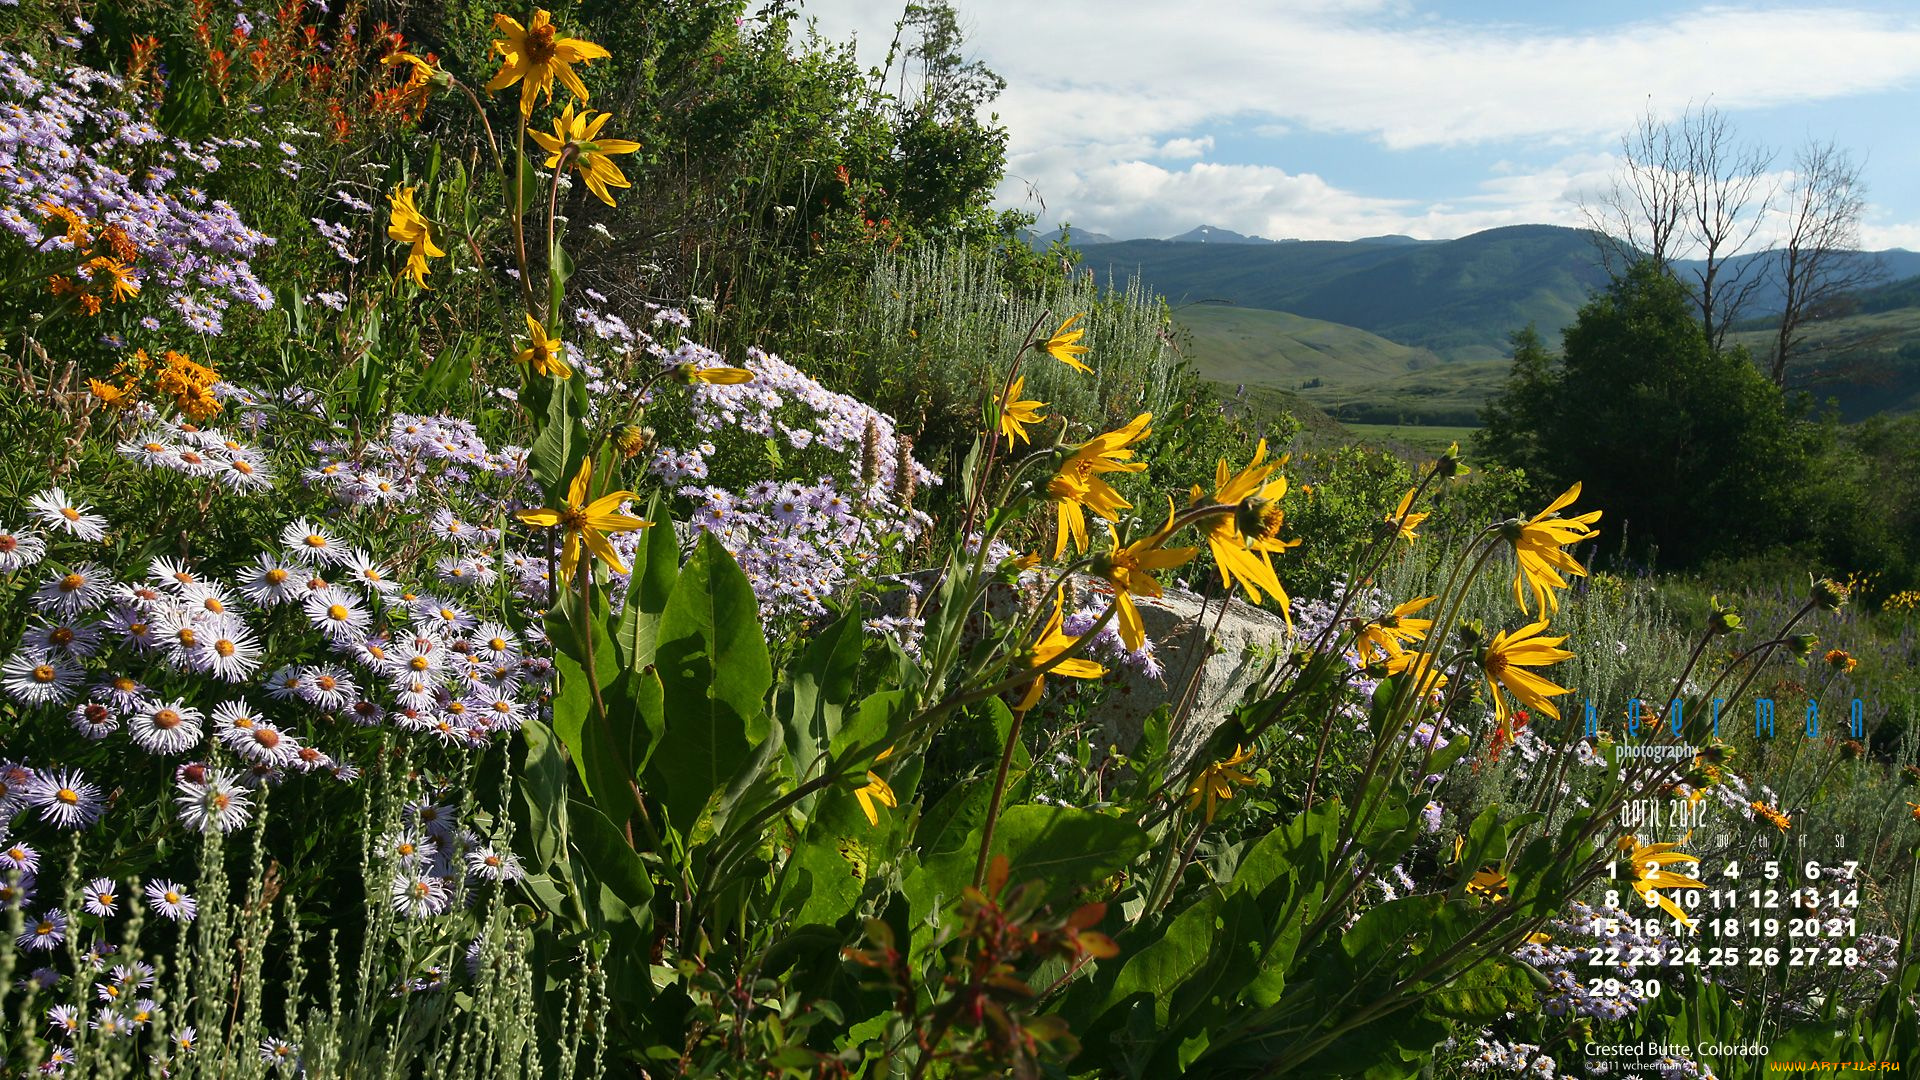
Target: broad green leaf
{"type": "Point", "coordinates": [822, 685]}
{"type": "Point", "coordinates": [543, 793]}
{"type": "Point", "coordinates": [714, 672]}
{"type": "Point", "coordinates": [1062, 846]}
{"type": "Point", "coordinates": [656, 565]}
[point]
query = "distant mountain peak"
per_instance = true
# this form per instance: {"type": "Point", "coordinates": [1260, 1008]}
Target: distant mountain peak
{"type": "Point", "coordinates": [1213, 234]}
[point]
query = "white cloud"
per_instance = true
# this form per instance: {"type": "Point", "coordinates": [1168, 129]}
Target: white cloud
{"type": "Point", "coordinates": [1176, 149]}
{"type": "Point", "coordinates": [1098, 88]}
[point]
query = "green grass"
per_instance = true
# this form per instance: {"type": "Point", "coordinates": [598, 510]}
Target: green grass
{"type": "Point", "coordinates": [1348, 373]}
{"type": "Point", "coordinates": [1867, 363]}
{"type": "Point", "coordinates": [1431, 439]}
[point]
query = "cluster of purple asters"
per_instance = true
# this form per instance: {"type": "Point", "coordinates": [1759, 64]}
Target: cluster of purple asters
{"type": "Point", "coordinates": [800, 541]}
{"type": "Point", "coordinates": [70, 138]}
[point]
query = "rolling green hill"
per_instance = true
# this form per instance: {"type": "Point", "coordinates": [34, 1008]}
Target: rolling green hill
{"type": "Point", "coordinates": [1458, 299]}
{"type": "Point", "coordinates": [1868, 362]}
{"type": "Point", "coordinates": [1352, 375]}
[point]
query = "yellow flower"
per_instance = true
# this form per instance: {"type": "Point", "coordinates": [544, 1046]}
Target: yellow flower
{"type": "Point", "coordinates": [1771, 816]}
{"type": "Point", "coordinates": [406, 225]}
{"type": "Point", "coordinates": [1648, 863]}
{"type": "Point", "coordinates": [1491, 884]}
{"type": "Point", "coordinates": [537, 54]}
{"type": "Point", "coordinates": [1077, 487]}
{"type": "Point", "coordinates": [876, 791]}
{"type": "Point", "coordinates": [1915, 809]}
{"type": "Point", "coordinates": [1505, 662]}
{"type": "Point", "coordinates": [546, 354]}
{"type": "Point", "coordinates": [687, 374]}
{"type": "Point", "coordinates": [109, 394]}
{"type": "Point", "coordinates": [422, 75]}
{"type": "Point", "coordinates": [1404, 522]}
{"type": "Point", "coordinates": [1015, 413]}
{"type": "Point", "coordinates": [590, 154]}
{"type": "Point", "coordinates": [1841, 660]}
{"type": "Point", "coordinates": [1537, 545]}
{"type": "Point", "coordinates": [585, 522]}
{"type": "Point", "coordinates": [1385, 638]}
{"type": "Point", "coordinates": [1215, 783]}
{"type": "Point", "coordinates": [1049, 645]}
{"type": "Point", "coordinates": [1065, 346]}
{"type": "Point", "coordinates": [119, 275]}
{"type": "Point", "coordinates": [1243, 542]}
{"type": "Point", "coordinates": [1131, 568]}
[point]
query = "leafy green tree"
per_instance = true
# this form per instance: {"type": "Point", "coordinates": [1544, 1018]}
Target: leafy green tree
{"type": "Point", "coordinates": [1689, 449]}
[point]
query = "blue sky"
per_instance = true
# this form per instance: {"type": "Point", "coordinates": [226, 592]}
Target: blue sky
{"type": "Point", "coordinates": [1332, 119]}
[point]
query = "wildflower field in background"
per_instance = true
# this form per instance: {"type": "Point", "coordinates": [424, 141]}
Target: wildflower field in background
{"type": "Point", "coordinates": [575, 543]}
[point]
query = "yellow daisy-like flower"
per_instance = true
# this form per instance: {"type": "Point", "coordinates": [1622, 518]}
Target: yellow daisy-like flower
{"type": "Point", "coordinates": [1537, 545]}
{"type": "Point", "coordinates": [1505, 661]}
{"type": "Point", "coordinates": [1403, 522]}
{"type": "Point", "coordinates": [1215, 783]}
{"type": "Point", "coordinates": [1491, 884]}
{"type": "Point", "coordinates": [1841, 660]}
{"type": "Point", "coordinates": [122, 285]}
{"type": "Point", "coordinates": [535, 55]}
{"type": "Point", "coordinates": [109, 394]}
{"type": "Point", "coordinates": [1049, 645]}
{"type": "Point", "coordinates": [1243, 542]}
{"type": "Point", "coordinates": [422, 75]}
{"type": "Point", "coordinates": [1015, 414]}
{"type": "Point", "coordinates": [688, 373]}
{"type": "Point", "coordinates": [1077, 487]}
{"type": "Point", "coordinates": [1065, 346]}
{"type": "Point", "coordinates": [546, 355]}
{"type": "Point", "coordinates": [1648, 863]}
{"type": "Point", "coordinates": [587, 523]}
{"type": "Point", "coordinates": [876, 791]}
{"type": "Point", "coordinates": [1386, 638]}
{"type": "Point", "coordinates": [1131, 568]}
{"type": "Point", "coordinates": [1771, 816]}
{"type": "Point", "coordinates": [590, 152]}
{"type": "Point", "coordinates": [407, 225]}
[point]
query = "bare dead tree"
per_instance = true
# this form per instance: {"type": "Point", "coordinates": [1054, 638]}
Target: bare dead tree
{"type": "Point", "coordinates": [1818, 260]}
{"type": "Point", "coordinates": [1640, 216]}
{"type": "Point", "coordinates": [1691, 197]}
{"type": "Point", "coordinates": [1728, 193]}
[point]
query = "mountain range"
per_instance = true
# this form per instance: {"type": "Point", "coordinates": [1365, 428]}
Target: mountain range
{"type": "Point", "coordinates": [1393, 327]}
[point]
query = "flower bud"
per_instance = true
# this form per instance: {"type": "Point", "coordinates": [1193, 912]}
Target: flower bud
{"type": "Point", "coordinates": [1449, 463]}
{"type": "Point", "coordinates": [1829, 595]}
{"type": "Point", "coordinates": [1723, 620]}
{"type": "Point", "coordinates": [631, 439]}
{"type": "Point", "coordinates": [1803, 644]}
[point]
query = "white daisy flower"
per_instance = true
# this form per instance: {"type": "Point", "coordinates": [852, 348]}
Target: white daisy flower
{"type": "Point", "coordinates": [337, 614]}
{"type": "Point", "coordinates": [20, 548]}
{"type": "Point", "coordinates": [94, 721]}
{"type": "Point", "coordinates": [83, 587]}
{"type": "Point", "coordinates": [419, 896]}
{"type": "Point", "coordinates": [171, 900]}
{"type": "Point", "coordinates": [328, 687]}
{"type": "Point", "coordinates": [216, 802]}
{"type": "Point", "coordinates": [55, 511]}
{"type": "Point", "coordinates": [39, 678]}
{"type": "Point", "coordinates": [78, 640]}
{"type": "Point", "coordinates": [66, 800]}
{"type": "Point", "coordinates": [165, 727]}
{"type": "Point", "coordinates": [171, 574]}
{"type": "Point", "coordinates": [272, 580]}
{"type": "Point", "coordinates": [312, 544]}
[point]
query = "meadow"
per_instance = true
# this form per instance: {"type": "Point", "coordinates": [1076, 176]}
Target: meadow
{"type": "Point", "coordinates": [548, 544]}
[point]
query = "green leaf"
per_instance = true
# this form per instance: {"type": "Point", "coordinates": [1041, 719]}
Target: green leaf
{"type": "Point", "coordinates": [822, 685]}
{"type": "Point", "coordinates": [526, 186]}
{"type": "Point", "coordinates": [714, 672]}
{"type": "Point", "coordinates": [555, 455]}
{"type": "Point", "coordinates": [656, 565]}
{"type": "Point", "coordinates": [559, 269]}
{"type": "Point", "coordinates": [1062, 846]}
{"type": "Point", "coordinates": [609, 858]}
{"type": "Point", "coordinates": [543, 793]}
